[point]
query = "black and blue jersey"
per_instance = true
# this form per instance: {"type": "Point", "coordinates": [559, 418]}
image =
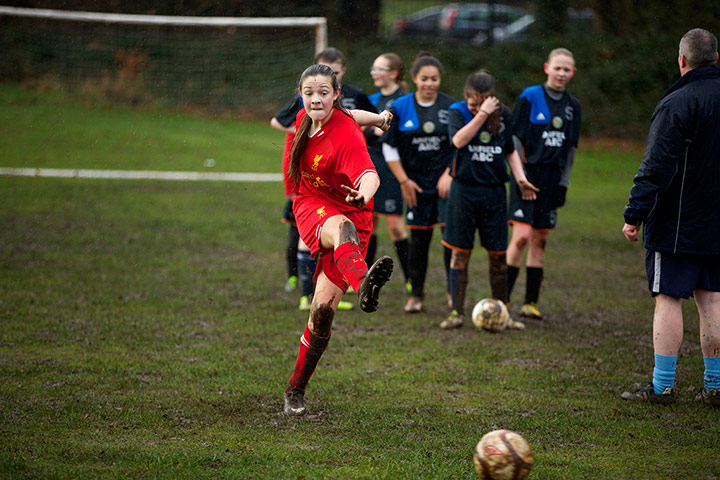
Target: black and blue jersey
{"type": "Point", "coordinates": [382, 102]}
{"type": "Point", "coordinates": [388, 197]}
{"type": "Point", "coordinates": [547, 128]}
{"type": "Point", "coordinates": [420, 134]}
{"type": "Point", "coordinates": [482, 161]}
{"type": "Point", "coordinates": [354, 98]}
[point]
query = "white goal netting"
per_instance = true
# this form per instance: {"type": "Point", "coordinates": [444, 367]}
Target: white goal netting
{"type": "Point", "coordinates": [246, 65]}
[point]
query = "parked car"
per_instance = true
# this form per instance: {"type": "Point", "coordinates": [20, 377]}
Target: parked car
{"type": "Point", "coordinates": [473, 23]}
{"type": "Point", "coordinates": [461, 22]}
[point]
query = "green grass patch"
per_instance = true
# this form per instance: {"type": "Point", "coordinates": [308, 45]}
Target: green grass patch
{"type": "Point", "coordinates": [146, 332]}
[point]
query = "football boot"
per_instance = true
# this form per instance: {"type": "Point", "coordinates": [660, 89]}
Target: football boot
{"type": "Point", "coordinates": [646, 393]}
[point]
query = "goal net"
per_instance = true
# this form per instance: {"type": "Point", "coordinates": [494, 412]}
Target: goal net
{"type": "Point", "coordinates": [238, 64]}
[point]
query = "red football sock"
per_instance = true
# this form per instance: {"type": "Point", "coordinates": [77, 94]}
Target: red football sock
{"type": "Point", "coordinates": [311, 349]}
{"type": "Point", "coordinates": [351, 264]}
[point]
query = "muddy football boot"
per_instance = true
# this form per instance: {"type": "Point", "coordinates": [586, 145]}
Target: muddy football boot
{"type": "Point", "coordinates": [294, 403]}
{"type": "Point", "coordinates": [455, 320]}
{"type": "Point", "coordinates": [709, 397]}
{"type": "Point", "coordinates": [414, 305]}
{"type": "Point", "coordinates": [530, 310]}
{"type": "Point", "coordinates": [376, 277]}
{"type": "Point", "coordinates": [646, 393]}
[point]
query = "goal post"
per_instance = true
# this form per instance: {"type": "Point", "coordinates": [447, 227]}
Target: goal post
{"type": "Point", "coordinates": [246, 64]}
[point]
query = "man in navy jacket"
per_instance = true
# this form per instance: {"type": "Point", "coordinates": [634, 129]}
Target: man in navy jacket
{"type": "Point", "coordinates": [676, 198]}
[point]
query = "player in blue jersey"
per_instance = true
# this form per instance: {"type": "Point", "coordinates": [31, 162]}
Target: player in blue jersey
{"type": "Point", "coordinates": [480, 130]}
{"type": "Point", "coordinates": [546, 127]}
{"type": "Point", "coordinates": [387, 72]}
{"type": "Point", "coordinates": [418, 151]}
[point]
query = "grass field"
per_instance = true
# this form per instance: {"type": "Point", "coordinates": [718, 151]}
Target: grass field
{"type": "Point", "coordinates": [146, 334]}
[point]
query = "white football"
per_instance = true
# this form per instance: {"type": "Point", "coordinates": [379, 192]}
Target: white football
{"type": "Point", "coordinates": [490, 314]}
{"type": "Point", "coordinates": [503, 455]}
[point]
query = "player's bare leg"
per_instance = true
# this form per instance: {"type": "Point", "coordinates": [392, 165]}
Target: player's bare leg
{"type": "Point", "coordinates": [518, 243]}
{"type": "Point", "coordinates": [667, 325]}
{"type": "Point", "coordinates": [313, 343]}
{"type": "Point", "coordinates": [708, 304]}
{"type": "Point", "coordinates": [534, 263]}
{"type": "Point", "coordinates": [667, 337]}
{"type": "Point", "coordinates": [340, 234]}
{"type": "Point", "coordinates": [516, 247]}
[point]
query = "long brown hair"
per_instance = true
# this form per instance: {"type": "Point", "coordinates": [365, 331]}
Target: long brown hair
{"type": "Point", "coordinates": [301, 134]}
{"type": "Point", "coordinates": [482, 83]}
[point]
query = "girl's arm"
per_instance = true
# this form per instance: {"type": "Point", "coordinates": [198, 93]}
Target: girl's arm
{"type": "Point", "coordinates": [527, 189]}
{"type": "Point", "coordinates": [369, 119]}
{"type": "Point", "coordinates": [369, 184]}
{"type": "Point", "coordinates": [408, 187]}
{"type": "Point", "coordinates": [278, 126]}
{"type": "Point", "coordinates": [444, 183]}
{"type": "Point", "coordinates": [463, 136]}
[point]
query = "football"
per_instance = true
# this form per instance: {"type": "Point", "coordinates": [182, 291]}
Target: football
{"type": "Point", "coordinates": [503, 455]}
{"type": "Point", "coordinates": [490, 314]}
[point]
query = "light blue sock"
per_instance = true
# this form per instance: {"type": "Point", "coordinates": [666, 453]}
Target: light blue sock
{"type": "Point", "coordinates": [664, 372]}
{"type": "Point", "coordinates": [712, 373]}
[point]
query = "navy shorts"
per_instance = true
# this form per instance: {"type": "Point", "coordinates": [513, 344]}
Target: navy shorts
{"type": "Point", "coordinates": [429, 211]}
{"type": "Point", "coordinates": [678, 275]}
{"type": "Point", "coordinates": [388, 198]}
{"type": "Point", "coordinates": [538, 213]}
{"type": "Point", "coordinates": [481, 208]}
{"type": "Point", "coordinates": [288, 215]}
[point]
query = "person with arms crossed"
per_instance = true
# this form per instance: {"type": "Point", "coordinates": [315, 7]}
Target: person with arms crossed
{"type": "Point", "coordinates": [418, 151]}
{"type": "Point", "coordinates": [675, 197]}
{"type": "Point", "coordinates": [546, 127]}
{"type": "Point", "coordinates": [480, 130]}
{"type": "Point", "coordinates": [336, 181]}
{"type": "Point", "coordinates": [387, 73]}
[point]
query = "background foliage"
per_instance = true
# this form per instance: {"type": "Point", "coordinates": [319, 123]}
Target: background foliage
{"type": "Point", "coordinates": [626, 59]}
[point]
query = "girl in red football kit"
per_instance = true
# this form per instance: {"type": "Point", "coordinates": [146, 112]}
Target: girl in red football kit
{"type": "Point", "coordinates": [336, 180]}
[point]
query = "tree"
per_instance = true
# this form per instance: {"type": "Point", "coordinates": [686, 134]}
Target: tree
{"type": "Point", "coordinates": [551, 16]}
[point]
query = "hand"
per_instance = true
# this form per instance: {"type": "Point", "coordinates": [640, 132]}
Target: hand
{"type": "Point", "coordinates": [527, 190]}
{"type": "Point", "coordinates": [409, 192]}
{"type": "Point", "coordinates": [354, 197]}
{"type": "Point", "coordinates": [559, 194]}
{"type": "Point", "coordinates": [631, 232]}
{"type": "Point", "coordinates": [489, 105]}
{"type": "Point", "coordinates": [443, 185]}
{"type": "Point", "coordinates": [386, 117]}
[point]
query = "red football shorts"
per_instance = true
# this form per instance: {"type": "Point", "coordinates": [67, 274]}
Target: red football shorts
{"type": "Point", "coordinates": [311, 213]}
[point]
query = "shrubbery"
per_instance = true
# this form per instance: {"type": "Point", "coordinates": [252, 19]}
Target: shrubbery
{"type": "Point", "coordinates": [619, 81]}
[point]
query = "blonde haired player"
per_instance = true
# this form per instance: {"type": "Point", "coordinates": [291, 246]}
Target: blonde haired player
{"type": "Point", "coordinates": [546, 127]}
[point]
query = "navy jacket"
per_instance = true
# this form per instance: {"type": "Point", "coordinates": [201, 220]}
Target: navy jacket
{"type": "Point", "coordinates": [676, 191]}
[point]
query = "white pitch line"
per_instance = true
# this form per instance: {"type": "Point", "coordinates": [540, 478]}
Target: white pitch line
{"type": "Point", "coordinates": [141, 174]}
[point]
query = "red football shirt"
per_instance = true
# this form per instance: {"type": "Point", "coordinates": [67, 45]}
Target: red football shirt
{"type": "Point", "coordinates": [336, 155]}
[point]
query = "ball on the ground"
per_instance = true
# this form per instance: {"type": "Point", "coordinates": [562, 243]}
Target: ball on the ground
{"type": "Point", "coordinates": [503, 455]}
{"type": "Point", "coordinates": [490, 314]}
